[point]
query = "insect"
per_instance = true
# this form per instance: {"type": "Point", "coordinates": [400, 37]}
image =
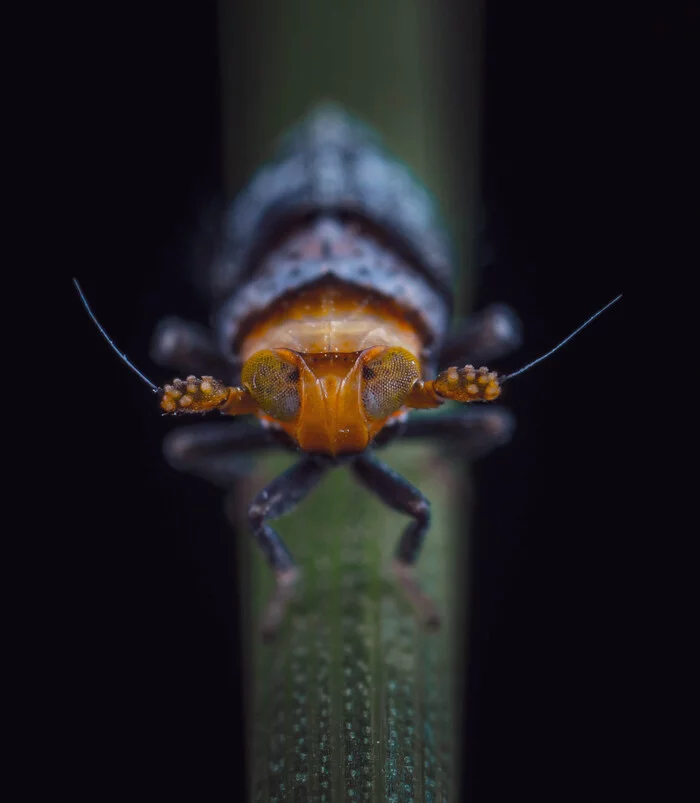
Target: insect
{"type": "Point", "coordinates": [331, 301]}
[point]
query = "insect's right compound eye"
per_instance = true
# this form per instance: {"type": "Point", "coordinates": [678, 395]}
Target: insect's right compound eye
{"type": "Point", "coordinates": [274, 383]}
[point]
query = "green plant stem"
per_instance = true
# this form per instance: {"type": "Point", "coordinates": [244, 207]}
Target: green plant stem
{"type": "Point", "coordinates": [354, 701]}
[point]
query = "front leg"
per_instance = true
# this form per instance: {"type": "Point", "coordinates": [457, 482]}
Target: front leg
{"type": "Point", "coordinates": [400, 495]}
{"type": "Point", "coordinates": [278, 498]}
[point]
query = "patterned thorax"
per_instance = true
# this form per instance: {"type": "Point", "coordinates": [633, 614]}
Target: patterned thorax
{"type": "Point", "coordinates": [332, 205]}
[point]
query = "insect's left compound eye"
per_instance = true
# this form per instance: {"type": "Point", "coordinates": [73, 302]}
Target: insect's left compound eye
{"type": "Point", "coordinates": [387, 380]}
{"type": "Point", "coordinates": [274, 383]}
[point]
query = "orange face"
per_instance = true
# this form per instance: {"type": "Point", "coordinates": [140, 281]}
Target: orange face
{"type": "Point", "coordinates": [331, 403]}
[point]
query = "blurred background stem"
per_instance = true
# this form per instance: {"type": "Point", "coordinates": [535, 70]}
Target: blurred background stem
{"type": "Point", "coordinates": [354, 701]}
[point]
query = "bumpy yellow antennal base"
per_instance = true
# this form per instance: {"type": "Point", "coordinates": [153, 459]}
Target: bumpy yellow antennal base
{"type": "Point", "coordinates": [468, 384]}
{"type": "Point", "coordinates": [203, 394]}
{"type": "Point", "coordinates": [194, 395]}
{"type": "Point", "coordinates": [463, 385]}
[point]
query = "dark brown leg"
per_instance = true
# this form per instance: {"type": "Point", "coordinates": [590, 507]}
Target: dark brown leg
{"type": "Point", "coordinates": [216, 451]}
{"type": "Point", "coordinates": [470, 433]}
{"type": "Point", "coordinates": [482, 337]}
{"type": "Point", "coordinates": [188, 347]}
{"type": "Point", "coordinates": [400, 495]}
{"type": "Point", "coordinates": [281, 496]}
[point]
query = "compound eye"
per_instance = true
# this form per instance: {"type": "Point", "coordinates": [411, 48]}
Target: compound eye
{"type": "Point", "coordinates": [274, 383]}
{"type": "Point", "coordinates": [387, 380]}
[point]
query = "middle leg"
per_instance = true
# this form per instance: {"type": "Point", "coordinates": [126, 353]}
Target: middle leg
{"type": "Point", "coordinates": [470, 432]}
{"type": "Point", "coordinates": [219, 452]}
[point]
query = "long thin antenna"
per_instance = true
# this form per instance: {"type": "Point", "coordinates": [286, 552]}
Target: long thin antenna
{"type": "Point", "coordinates": [563, 342]}
{"type": "Point", "coordinates": [104, 334]}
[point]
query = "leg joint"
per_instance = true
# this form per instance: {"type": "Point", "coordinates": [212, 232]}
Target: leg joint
{"type": "Point", "coordinates": [256, 515]}
{"type": "Point", "coordinates": [177, 447]}
{"type": "Point", "coordinates": [419, 509]}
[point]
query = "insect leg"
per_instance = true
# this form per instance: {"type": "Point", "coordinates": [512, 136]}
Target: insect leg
{"type": "Point", "coordinates": [482, 337]}
{"type": "Point", "coordinates": [215, 451]}
{"type": "Point", "coordinates": [281, 496]}
{"type": "Point", "coordinates": [400, 495]}
{"type": "Point", "coordinates": [472, 431]}
{"type": "Point", "coordinates": [187, 347]}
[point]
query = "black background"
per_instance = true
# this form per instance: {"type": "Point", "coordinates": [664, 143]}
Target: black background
{"type": "Point", "coordinates": [150, 642]}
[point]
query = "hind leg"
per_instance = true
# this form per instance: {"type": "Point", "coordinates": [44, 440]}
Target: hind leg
{"type": "Point", "coordinates": [188, 347]}
{"type": "Point", "coordinates": [482, 337]}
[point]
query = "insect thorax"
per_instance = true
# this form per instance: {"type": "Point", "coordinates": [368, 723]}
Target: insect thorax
{"type": "Point", "coordinates": [333, 287]}
{"type": "Point", "coordinates": [333, 206]}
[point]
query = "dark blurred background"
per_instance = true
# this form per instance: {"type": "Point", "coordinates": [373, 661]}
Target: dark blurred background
{"type": "Point", "coordinates": [150, 570]}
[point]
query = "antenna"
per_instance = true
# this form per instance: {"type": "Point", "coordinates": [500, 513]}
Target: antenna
{"type": "Point", "coordinates": [104, 334]}
{"type": "Point", "coordinates": [564, 341]}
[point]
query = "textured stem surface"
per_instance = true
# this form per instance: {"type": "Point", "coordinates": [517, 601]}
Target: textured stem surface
{"type": "Point", "coordinates": [354, 701]}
